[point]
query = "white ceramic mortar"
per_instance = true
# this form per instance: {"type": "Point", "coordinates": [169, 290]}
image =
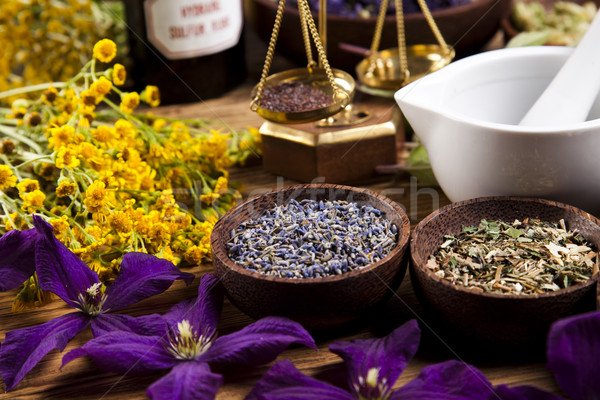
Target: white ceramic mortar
{"type": "Point", "coordinates": [467, 116]}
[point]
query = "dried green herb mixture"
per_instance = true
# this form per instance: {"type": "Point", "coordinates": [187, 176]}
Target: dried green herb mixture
{"type": "Point", "coordinates": [525, 257]}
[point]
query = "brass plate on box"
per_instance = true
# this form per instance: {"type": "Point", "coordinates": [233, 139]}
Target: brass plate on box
{"type": "Point", "coordinates": [308, 138]}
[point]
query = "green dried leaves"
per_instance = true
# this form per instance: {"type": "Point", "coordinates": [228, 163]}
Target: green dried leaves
{"type": "Point", "coordinates": [520, 258]}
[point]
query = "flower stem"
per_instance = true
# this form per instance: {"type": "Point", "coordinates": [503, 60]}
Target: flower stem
{"type": "Point", "coordinates": [14, 135]}
{"type": "Point", "coordinates": [33, 160]}
{"type": "Point", "coordinates": [31, 88]}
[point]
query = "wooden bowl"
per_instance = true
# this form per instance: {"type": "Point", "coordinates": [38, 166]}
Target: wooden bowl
{"type": "Point", "coordinates": [509, 29]}
{"type": "Point", "coordinates": [481, 321]}
{"type": "Point", "coordinates": [317, 303]}
{"type": "Point", "coordinates": [467, 28]}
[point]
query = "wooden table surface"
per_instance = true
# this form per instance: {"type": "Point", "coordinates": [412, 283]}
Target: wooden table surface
{"type": "Point", "coordinates": [80, 379]}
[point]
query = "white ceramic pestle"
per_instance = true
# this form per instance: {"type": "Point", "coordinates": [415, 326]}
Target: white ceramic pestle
{"type": "Point", "coordinates": [571, 94]}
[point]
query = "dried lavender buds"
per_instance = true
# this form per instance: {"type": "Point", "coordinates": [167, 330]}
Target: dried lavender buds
{"type": "Point", "coordinates": [312, 239]}
{"type": "Point", "coordinates": [293, 97]}
{"type": "Point", "coordinates": [520, 258]}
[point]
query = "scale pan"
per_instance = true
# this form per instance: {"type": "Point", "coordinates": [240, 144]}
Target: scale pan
{"type": "Point", "coordinates": [421, 58]}
{"type": "Point", "coordinates": [316, 78]}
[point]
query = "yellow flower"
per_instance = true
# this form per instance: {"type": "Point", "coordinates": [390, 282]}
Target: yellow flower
{"type": "Point", "coordinates": [66, 158]}
{"type": "Point", "coordinates": [96, 197]}
{"type": "Point", "coordinates": [102, 86]}
{"type": "Point", "coordinates": [119, 74]}
{"type": "Point", "coordinates": [159, 123]}
{"type": "Point", "coordinates": [94, 231]}
{"type": "Point", "coordinates": [59, 225]}
{"type": "Point", "coordinates": [151, 96]}
{"type": "Point", "coordinates": [10, 222]}
{"type": "Point", "coordinates": [66, 188]}
{"type": "Point", "coordinates": [221, 185]}
{"type": "Point", "coordinates": [195, 255]}
{"type": "Point", "coordinates": [120, 222]}
{"type": "Point", "coordinates": [61, 136]}
{"type": "Point", "coordinates": [209, 198]}
{"type": "Point", "coordinates": [105, 135]}
{"type": "Point", "coordinates": [125, 130]}
{"type": "Point", "coordinates": [46, 170]}
{"type": "Point", "coordinates": [129, 101]}
{"type": "Point", "coordinates": [69, 101]}
{"type": "Point", "coordinates": [27, 185]}
{"type": "Point", "coordinates": [33, 200]}
{"type": "Point", "coordinates": [31, 296]}
{"type": "Point", "coordinates": [34, 119]}
{"type": "Point", "coordinates": [167, 254]}
{"type": "Point", "coordinates": [17, 110]}
{"type": "Point", "coordinates": [7, 177]}
{"type": "Point", "coordinates": [90, 98]}
{"type": "Point", "coordinates": [49, 96]}
{"type": "Point", "coordinates": [7, 147]}
{"type": "Point", "coordinates": [159, 234]}
{"type": "Point", "coordinates": [105, 50]}
{"type": "Point", "coordinates": [83, 123]}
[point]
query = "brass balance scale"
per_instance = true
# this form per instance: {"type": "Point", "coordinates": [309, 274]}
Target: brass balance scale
{"type": "Point", "coordinates": [343, 140]}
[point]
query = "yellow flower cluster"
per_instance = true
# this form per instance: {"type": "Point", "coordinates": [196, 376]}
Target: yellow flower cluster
{"type": "Point", "coordinates": [111, 181]}
{"type": "Point", "coordinates": [47, 40]}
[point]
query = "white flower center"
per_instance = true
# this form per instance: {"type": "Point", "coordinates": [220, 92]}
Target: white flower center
{"type": "Point", "coordinates": [186, 344]}
{"type": "Point", "coordinates": [92, 299]}
{"type": "Point", "coordinates": [369, 387]}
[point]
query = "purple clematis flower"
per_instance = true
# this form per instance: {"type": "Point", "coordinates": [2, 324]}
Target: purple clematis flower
{"type": "Point", "coordinates": [61, 272]}
{"type": "Point", "coordinates": [184, 341]}
{"type": "Point", "coordinates": [573, 350]}
{"type": "Point", "coordinates": [17, 255]}
{"type": "Point", "coordinates": [373, 367]}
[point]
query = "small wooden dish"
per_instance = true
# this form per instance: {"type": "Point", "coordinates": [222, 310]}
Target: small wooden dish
{"type": "Point", "coordinates": [508, 27]}
{"type": "Point", "coordinates": [482, 321]}
{"type": "Point", "coordinates": [317, 303]}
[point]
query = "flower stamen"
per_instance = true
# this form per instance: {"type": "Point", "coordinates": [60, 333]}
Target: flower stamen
{"type": "Point", "coordinates": [370, 387]}
{"type": "Point", "coordinates": [92, 299]}
{"type": "Point", "coordinates": [184, 343]}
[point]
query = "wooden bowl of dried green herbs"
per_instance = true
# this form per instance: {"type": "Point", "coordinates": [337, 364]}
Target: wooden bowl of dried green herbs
{"type": "Point", "coordinates": [320, 254]}
{"type": "Point", "coordinates": [495, 272]}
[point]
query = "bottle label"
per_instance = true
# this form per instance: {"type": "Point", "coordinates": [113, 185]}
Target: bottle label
{"type": "Point", "coordinates": [192, 28]}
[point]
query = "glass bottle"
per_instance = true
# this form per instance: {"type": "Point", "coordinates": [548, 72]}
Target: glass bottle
{"type": "Point", "coordinates": [192, 50]}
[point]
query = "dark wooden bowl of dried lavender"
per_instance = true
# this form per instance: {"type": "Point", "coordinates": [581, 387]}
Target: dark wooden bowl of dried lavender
{"type": "Point", "coordinates": [488, 270]}
{"type": "Point", "coordinates": [320, 254]}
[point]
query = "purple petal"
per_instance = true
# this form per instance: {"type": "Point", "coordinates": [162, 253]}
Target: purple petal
{"type": "Point", "coordinates": [17, 258]}
{"type": "Point", "coordinates": [125, 352]}
{"type": "Point", "coordinates": [141, 276]}
{"type": "Point", "coordinates": [259, 342]}
{"type": "Point", "coordinates": [59, 270]}
{"type": "Point", "coordinates": [503, 392]}
{"type": "Point", "coordinates": [389, 354]}
{"type": "Point", "coordinates": [204, 312]}
{"type": "Point", "coordinates": [284, 382]}
{"type": "Point", "coordinates": [573, 351]}
{"type": "Point", "coordinates": [189, 380]}
{"type": "Point", "coordinates": [24, 348]}
{"type": "Point", "coordinates": [147, 325]}
{"type": "Point", "coordinates": [450, 380]}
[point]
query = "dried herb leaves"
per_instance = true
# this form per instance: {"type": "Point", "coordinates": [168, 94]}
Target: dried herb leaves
{"type": "Point", "coordinates": [525, 257]}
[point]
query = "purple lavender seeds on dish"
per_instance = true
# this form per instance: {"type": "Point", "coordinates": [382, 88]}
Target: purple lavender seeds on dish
{"type": "Point", "coordinates": [312, 239]}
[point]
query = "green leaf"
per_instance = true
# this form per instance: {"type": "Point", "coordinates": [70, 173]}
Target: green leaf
{"type": "Point", "coordinates": [514, 232]}
{"type": "Point", "coordinates": [469, 229]}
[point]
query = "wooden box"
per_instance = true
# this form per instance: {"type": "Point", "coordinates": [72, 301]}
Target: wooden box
{"type": "Point", "coordinates": [335, 154]}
